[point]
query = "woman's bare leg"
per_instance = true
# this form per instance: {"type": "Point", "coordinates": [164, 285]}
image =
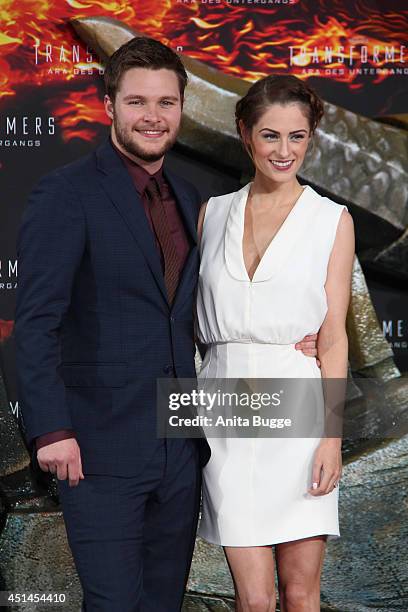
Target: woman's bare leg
{"type": "Point", "coordinates": [253, 572]}
{"type": "Point", "coordinates": [299, 565]}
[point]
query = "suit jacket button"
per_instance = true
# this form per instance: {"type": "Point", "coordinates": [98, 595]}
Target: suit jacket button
{"type": "Point", "coordinates": [168, 369]}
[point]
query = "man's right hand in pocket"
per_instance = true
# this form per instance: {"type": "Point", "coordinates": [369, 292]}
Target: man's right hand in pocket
{"type": "Point", "coordinates": [63, 459]}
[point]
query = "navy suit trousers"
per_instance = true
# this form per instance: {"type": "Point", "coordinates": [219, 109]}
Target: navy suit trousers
{"type": "Point", "coordinates": [132, 538]}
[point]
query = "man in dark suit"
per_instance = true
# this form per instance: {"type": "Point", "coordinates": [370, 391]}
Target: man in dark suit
{"type": "Point", "coordinates": [108, 266]}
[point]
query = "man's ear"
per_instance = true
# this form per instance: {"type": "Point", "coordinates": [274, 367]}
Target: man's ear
{"type": "Point", "coordinates": [108, 104]}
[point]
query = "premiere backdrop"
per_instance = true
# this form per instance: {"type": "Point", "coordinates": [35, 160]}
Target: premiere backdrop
{"type": "Point", "coordinates": [355, 53]}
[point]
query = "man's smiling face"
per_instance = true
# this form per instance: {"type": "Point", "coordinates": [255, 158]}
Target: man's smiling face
{"type": "Point", "coordinates": [146, 112]}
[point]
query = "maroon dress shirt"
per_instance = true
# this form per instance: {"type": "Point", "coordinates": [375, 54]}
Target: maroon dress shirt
{"type": "Point", "coordinates": [140, 178]}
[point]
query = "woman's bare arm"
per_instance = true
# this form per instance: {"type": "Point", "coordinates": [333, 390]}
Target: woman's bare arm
{"type": "Point", "coordinates": [200, 223]}
{"type": "Point", "coordinates": [332, 351]}
{"type": "Point", "coordinates": [332, 343]}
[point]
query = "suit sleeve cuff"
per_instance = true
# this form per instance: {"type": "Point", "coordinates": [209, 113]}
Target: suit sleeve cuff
{"type": "Point", "coordinates": [54, 436]}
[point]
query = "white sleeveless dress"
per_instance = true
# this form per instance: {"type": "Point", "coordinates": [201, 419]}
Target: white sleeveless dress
{"type": "Point", "coordinates": [255, 489]}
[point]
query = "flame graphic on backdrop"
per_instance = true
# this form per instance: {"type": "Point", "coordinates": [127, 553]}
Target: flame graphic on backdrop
{"type": "Point", "coordinates": [80, 113]}
{"type": "Point", "coordinates": [242, 40]}
{"type": "Point", "coordinates": [6, 329]}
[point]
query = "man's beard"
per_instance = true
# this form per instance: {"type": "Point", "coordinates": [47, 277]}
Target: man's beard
{"type": "Point", "coordinates": [126, 142]}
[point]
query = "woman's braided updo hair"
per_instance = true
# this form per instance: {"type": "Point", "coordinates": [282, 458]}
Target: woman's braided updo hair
{"type": "Point", "coordinates": [277, 89]}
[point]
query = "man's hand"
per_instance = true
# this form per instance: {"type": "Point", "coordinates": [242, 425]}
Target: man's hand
{"type": "Point", "coordinates": [62, 458]}
{"type": "Point", "coordinates": [308, 346]}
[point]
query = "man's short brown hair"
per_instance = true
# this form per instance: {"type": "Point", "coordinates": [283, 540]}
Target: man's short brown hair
{"type": "Point", "coordinates": [142, 52]}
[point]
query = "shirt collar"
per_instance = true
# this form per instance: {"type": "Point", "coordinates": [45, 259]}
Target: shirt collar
{"type": "Point", "coordinates": [139, 175]}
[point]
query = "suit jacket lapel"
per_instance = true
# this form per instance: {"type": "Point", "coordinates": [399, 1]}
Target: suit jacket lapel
{"type": "Point", "coordinates": [185, 205]}
{"type": "Point", "coordinates": [188, 211]}
{"type": "Point", "coordinates": [119, 187]}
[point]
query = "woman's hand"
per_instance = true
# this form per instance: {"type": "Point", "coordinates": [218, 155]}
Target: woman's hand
{"type": "Point", "coordinates": [327, 466]}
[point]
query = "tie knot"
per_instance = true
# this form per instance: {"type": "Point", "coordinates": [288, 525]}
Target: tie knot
{"type": "Point", "coordinates": [153, 189]}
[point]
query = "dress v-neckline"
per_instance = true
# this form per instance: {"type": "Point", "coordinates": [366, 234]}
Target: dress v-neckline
{"type": "Point", "coordinates": [284, 244]}
{"type": "Point", "coordinates": [281, 227]}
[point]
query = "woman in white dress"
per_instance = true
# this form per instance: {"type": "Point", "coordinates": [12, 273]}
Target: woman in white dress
{"type": "Point", "coordinates": [276, 263]}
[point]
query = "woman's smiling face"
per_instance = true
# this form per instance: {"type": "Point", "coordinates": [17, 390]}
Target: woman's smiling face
{"type": "Point", "coordinates": [279, 140]}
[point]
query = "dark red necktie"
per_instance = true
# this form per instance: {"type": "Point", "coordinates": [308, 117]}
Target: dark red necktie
{"type": "Point", "coordinates": [164, 237]}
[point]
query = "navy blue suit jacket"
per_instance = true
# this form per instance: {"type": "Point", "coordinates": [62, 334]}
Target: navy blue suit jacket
{"type": "Point", "coordinates": [94, 328]}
